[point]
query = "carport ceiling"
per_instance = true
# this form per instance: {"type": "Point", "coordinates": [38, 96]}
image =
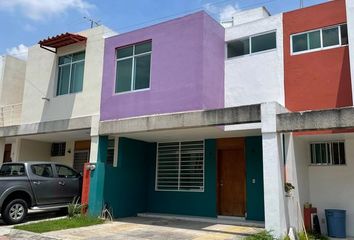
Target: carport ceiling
{"type": "Point", "coordinates": [192, 134]}
{"type": "Point", "coordinates": [60, 136]}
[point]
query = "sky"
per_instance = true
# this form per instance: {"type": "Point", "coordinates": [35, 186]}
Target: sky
{"type": "Point", "coordinates": [25, 22]}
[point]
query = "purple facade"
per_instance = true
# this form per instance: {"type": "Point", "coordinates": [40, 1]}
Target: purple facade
{"type": "Point", "coordinates": [187, 69]}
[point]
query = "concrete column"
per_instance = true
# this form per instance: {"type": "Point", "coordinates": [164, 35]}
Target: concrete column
{"type": "Point", "coordinates": [98, 157]}
{"type": "Point", "coordinates": [15, 150]}
{"type": "Point", "coordinates": [273, 171]}
{"type": "Point", "coordinates": [97, 176]}
{"type": "Point", "coordinates": [350, 22]}
{"type": "Point", "coordinates": [2, 149]}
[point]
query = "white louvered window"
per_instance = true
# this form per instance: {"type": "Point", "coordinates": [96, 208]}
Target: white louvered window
{"type": "Point", "coordinates": [180, 166]}
{"type": "Point", "coordinates": [328, 153]}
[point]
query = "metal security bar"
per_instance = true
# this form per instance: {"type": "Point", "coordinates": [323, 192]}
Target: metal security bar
{"type": "Point", "coordinates": [328, 153]}
{"type": "Point", "coordinates": [180, 166]}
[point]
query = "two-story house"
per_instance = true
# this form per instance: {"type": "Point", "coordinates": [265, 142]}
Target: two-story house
{"type": "Point", "coordinates": [59, 99]}
{"type": "Point", "coordinates": [12, 77]}
{"type": "Point", "coordinates": [163, 149]}
{"type": "Point", "coordinates": [188, 118]}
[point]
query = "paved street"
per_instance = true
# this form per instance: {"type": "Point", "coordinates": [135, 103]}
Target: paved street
{"type": "Point", "coordinates": [139, 228]}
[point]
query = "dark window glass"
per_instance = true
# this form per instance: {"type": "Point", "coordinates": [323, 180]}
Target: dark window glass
{"type": "Point", "coordinates": [323, 153]}
{"type": "Point", "coordinates": [238, 48]}
{"type": "Point", "coordinates": [344, 34]}
{"type": "Point", "coordinates": [342, 153]}
{"type": "Point", "coordinates": [43, 170]}
{"type": "Point", "coordinates": [335, 153]}
{"type": "Point", "coordinates": [124, 75]}
{"type": "Point", "coordinates": [133, 71]}
{"type": "Point", "coordinates": [63, 80]}
{"type": "Point", "coordinates": [78, 56]}
{"type": "Point", "coordinates": [58, 149]}
{"type": "Point", "coordinates": [77, 77]}
{"type": "Point", "coordinates": [330, 37]}
{"type": "Point", "coordinates": [143, 48]}
{"type": "Point", "coordinates": [125, 52]}
{"type": "Point", "coordinates": [71, 73]}
{"type": "Point", "coordinates": [65, 172]}
{"type": "Point", "coordinates": [65, 59]}
{"type": "Point", "coordinates": [264, 42]}
{"type": "Point", "coordinates": [314, 39]}
{"type": "Point", "coordinates": [300, 42]}
{"type": "Point", "coordinates": [142, 72]}
{"type": "Point", "coordinates": [9, 170]}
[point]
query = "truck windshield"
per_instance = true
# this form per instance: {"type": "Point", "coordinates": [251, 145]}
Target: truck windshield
{"type": "Point", "coordinates": [12, 170]}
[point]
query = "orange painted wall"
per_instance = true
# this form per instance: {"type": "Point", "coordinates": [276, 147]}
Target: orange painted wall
{"type": "Point", "coordinates": [317, 80]}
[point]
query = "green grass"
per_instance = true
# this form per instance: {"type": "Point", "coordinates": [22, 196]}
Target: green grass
{"type": "Point", "coordinates": [60, 224]}
{"type": "Point", "coordinates": [266, 235]}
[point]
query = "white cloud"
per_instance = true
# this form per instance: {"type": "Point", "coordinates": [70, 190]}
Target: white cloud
{"type": "Point", "coordinates": [21, 51]}
{"type": "Point", "coordinates": [224, 12]}
{"type": "Point", "coordinates": [44, 9]}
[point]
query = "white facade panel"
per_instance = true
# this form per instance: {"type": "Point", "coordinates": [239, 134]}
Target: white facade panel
{"type": "Point", "coordinates": [41, 81]}
{"type": "Point", "coordinates": [250, 15]}
{"type": "Point", "coordinates": [325, 187]}
{"type": "Point", "coordinates": [259, 77]}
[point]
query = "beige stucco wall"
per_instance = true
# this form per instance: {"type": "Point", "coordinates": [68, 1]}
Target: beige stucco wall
{"type": "Point", "coordinates": [68, 159]}
{"type": "Point", "coordinates": [30, 150]}
{"type": "Point", "coordinates": [41, 79]}
{"type": "Point", "coordinates": [12, 81]}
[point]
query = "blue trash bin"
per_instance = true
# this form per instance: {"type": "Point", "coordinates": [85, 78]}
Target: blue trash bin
{"type": "Point", "coordinates": [336, 223]}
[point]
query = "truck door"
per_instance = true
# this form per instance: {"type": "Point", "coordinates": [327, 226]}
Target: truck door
{"type": "Point", "coordinates": [44, 184]}
{"type": "Point", "coordinates": [69, 182]}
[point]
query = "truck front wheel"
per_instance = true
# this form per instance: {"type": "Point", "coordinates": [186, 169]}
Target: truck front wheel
{"type": "Point", "coordinates": [15, 211]}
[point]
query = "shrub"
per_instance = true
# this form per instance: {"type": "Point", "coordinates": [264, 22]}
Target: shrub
{"type": "Point", "coordinates": [74, 208]}
{"type": "Point", "coordinates": [302, 236]}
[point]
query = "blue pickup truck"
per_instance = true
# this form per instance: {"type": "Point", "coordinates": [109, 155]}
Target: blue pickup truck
{"type": "Point", "coordinates": [36, 185]}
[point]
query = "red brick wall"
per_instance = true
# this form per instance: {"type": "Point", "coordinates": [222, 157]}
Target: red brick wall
{"type": "Point", "coordinates": [316, 80]}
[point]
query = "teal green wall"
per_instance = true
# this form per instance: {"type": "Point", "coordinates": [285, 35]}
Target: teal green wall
{"type": "Point", "coordinates": [254, 170]}
{"type": "Point", "coordinates": [187, 203]}
{"type": "Point", "coordinates": [130, 187]}
{"type": "Point", "coordinates": [126, 185]}
{"type": "Point", "coordinates": [97, 177]}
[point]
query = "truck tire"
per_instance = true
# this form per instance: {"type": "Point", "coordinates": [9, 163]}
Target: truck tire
{"type": "Point", "coordinates": [15, 211]}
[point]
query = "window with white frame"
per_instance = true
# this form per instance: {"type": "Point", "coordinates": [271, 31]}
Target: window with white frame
{"type": "Point", "coordinates": [180, 166]}
{"type": "Point", "coordinates": [252, 44]}
{"type": "Point", "coordinates": [110, 152]}
{"type": "Point", "coordinates": [133, 67]}
{"type": "Point", "coordinates": [70, 73]}
{"type": "Point", "coordinates": [328, 153]}
{"type": "Point", "coordinates": [320, 39]}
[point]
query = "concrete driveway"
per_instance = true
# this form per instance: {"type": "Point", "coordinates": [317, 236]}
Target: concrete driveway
{"type": "Point", "coordinates": [139, 228]}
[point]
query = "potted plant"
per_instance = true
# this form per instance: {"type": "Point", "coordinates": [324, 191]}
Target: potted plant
{"type": "Point", "coordinates": [288, 189]}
